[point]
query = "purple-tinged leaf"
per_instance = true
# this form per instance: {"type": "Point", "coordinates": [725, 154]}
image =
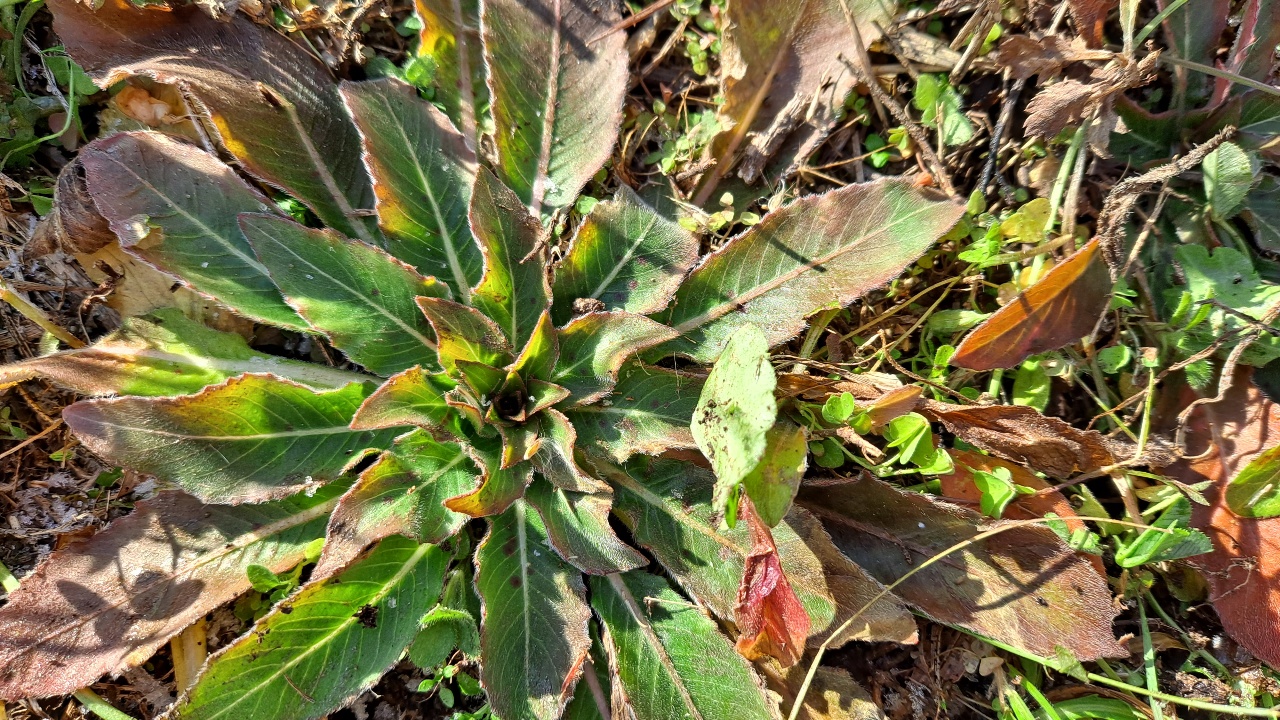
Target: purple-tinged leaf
{"type": "Point", "coordinates": [593, 348]}
{"type": "Point", "coordinates": [410, 398]}
{"type": "Point", "coordinates": [464, 333]}
{"type": "Point", "coordinates": [578, 528]}
{"type": "Point", "coordinates": [649, 412]}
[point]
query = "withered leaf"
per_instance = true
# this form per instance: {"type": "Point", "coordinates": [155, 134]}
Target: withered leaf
{"type": "Point", "coordinates": [1023, 586]}
{"type": "Point", "coordinates": [1059, 309]}
{"type": "Point", "coordinates": [1026, 56]}
{"type": "Point", "coordinates": [1089, 17]}
{"type": "Point", "coordinates": [1070, 102]}
{"type": "Point", "coordinates": [770, 617]}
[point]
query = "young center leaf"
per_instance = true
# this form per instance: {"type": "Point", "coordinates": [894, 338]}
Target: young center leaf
{"type": "Point", "coordinates": [557, 81]}
{"type": "Point", "coordinates": [422, 170]}
{"type": "Point", "coordinates": [319, 649]}
{"type": "Point", "coordinates": [166, 354]}
{"type": "Point", "coordinates": [819, 251]}
{"type": "Point", "coordinates": [667, 658]}
{"type": "Point", "coordinates": [250, 439]}
{"type": "Point", "coordinates": [359, 296]}
{"type": "Point", "coordinates": [593, 348]}
{"type": "Point", "coordinates": [175, 206]}
{"type": "Point", "coordinates": [106, 603]}
{"type": "Point", "coordinates": [534, 633]}
{"type": "Point", "coordinates": [624, 255]}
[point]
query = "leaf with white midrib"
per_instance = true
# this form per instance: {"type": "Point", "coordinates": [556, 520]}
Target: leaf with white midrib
{"type": "Point", "coordinates": [649, 412]}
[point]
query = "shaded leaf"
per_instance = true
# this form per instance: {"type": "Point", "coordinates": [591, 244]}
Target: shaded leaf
{"type": "Point", "coordinates": [499, 487]}
{"type": "Point", "coordinates": [444, 629]}
{"type": "Point", "coordinates": [250, 439]}
{"type": "Point", "coordinates": [464, 333]}
{"type": "Point", "coordinates": [165, 354]}
{"type": "Point", "coordinates": [422, 170]}
{"type": "Point", "coordinates": [833, 695]}
{"type": "Point", "coordinates": [318, 650]}
{"type": "Point", "coordinates": [1253, 52]}
{"type": "Point", "coordinates": [274, 107]}
{"type": "Point", "coordinates": [649, 412]}
{"type": "Point", "coordinates": [1023, 435]}
{"type": "Point", "coordinates": [175, 207]}
{"type": "Point", "coordinates": [1194, 32]}
{"type": "Point", "coordinates": [401, 494]}
{"type": "Point", "coordinates": [540, 355]}
{"type": "Point", "coordinates": [412, 397]}
{"type": "Point", "coordinates": [357, 295]}
{"type": "Point", "coordinates": [1089, 17]}
{"type": "Point", "coordinates": [1059, 309]}
{"type": "Point", "coordinates": [450, 37]}
{"type": "Point", "coordinates": [624, 255]}
{"type": "Point", "coordinates": [1226, 276]}
{"type": "Point", "coordinates": [106, 603]}
{"type": "Point", "coordinates": [514, 291]}
{"type": "Point", "coordinates": [819, 251]}
{"type": "Point", "coordinates": [578, 527]}
{"type": "Point", "coordinates": [775, 479]}
{"type": "Point", "coordinates": [667, 659]}
{"type": "Point", "coordinates": [1023, 587]}
{"type": "Point", "coordinates": [770, 617]}
{"type": "Point", "coordinates": [534, 632]}
{"type": "Point", "coordinates": [557, 83]}
{"type": "Point", "coordinates": [555, 457]}
{"type": "Point", "coordinates": [593, 348]}
{"type": "Point", "coordinates": [667, 506]}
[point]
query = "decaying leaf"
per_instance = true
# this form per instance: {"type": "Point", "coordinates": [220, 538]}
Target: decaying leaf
{"type": "Point", "coordinates": [1026, 56]}
{"type": "Point", "coordinates": [1023, 587]}
{"type": "Point", "coordinates": [1069, 102]}
{"type": "Point", "coordinates": [959, 486]}
{"type": "Point", "coordinates": [833, 695]}
{"type": "Point", "coordinates": [1089, 16]}
{"type": "Point", "coordinates": [770, 617]}
{"type": "Point", "coordinates": [1059, 309]}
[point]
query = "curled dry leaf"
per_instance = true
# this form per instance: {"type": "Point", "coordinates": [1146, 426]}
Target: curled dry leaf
{"type": "Point", "coordinates": [1059, 309]}
{"type": "Point", "coordinates": [1023, 435]}
{"type": "Point", "coordinates": [770, 617]}
{"type": "Point", "coordinates": [74, 225]}
{"type": "Point", "coordinates": [1089, 17]}
{"type": "Point", "coordinates": [1025, 56]}
{"type": "Point", "coordinates": [1070, 102]}
{"type": "Point", "coordinates": [1023, 586]}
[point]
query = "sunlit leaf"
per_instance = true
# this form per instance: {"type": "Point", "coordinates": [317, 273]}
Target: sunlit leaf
{"type": "Point", "coordinates": [144, 578]}
{"type": "Point", "coordinates": [649, 412]}
{"type": "Point", "coordinates": [412, 397]}
{"type": "Point", "coordinates": [464, 333]}
{"type": "Point", "coordinates": [770, 617]}
{"type": "Point", "coordinates": [250, 439]}
{"type": "Point", "coordinates": [175, 207]}
{"type": "Point", "coordinates": [819, 251]}
{"type": "Point", "coordinates": [320, 648]}
{"type": "Point", "coordinates": [499, 487]}
{"type": "Point", "coordinates": [594, 346]}
{"type": "Point", "coordinates": [1168, 538]}
{"type": "Point", "coordinates": [450, 38]}
{"type": "Point", "coordinates": [578, 528]}
{"type": "Point", "coordinates": [1255, 490]}
{"type": "Point", "coordinates": [422, 171]}
{"type": "Point", "coordinates": [534, 633]}
{"type": "Point", "coordinates": [555, 457]}
{"type": "Point", "coordinates": [557, 81]}
{"type": "Point", "coordinates": [1228, 175]}
{"type": "Point", "coordinates": [357, 295]}
{"type": "Point", "coordinates": [668, 659]}
{"type": "Point", "coordinates": [1059, 309]}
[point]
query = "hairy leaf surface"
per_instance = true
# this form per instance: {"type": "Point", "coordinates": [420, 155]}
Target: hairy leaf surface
{"type": "Point", "coordinates": [557, 89]}
{"type": "Point", "coordinates": [175, 207]}
{"type": "Point", "coordinates": [275, 108]}
{"type": "Point", "coordinates": [649, 412]}
{"type": "Point", "coordinates": [625, 255]}
{"type": "Point", "coordinates": [250, 439]}
{"type": "Point", "coordinates": [166, 354]}
{"type": "Point", "coordinates": [555, 460]}
{"type": "Point", "coordinates": [819, 251]}
{"type": "Point", "coordinates": [578, 528]}
{"type": "Point", "coordinates": [499, 487]}
{"type": "Point", "coordinates": [534, 633]}
{"type": "Point", "coordinates": [106, 603]}
{"type": "Point", "coordinates": [464, 333]}
{"type": "Point", "coordinates": [593, 348]}
{"type": "Point", "coordinates": [412, 397]}
{"type": "Point", "coordinates": [320, 648]}
{"type": "Point", "coordinates": [450, 37]}
{"type": "Point", "coordinates": [422, 171]}
{"type": "Point", "coordinates": [668, 659]}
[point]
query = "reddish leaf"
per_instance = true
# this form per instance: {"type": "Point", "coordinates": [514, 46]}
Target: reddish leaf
{"type": "Point", "coordinates": [1057, 310]}
{"type": "Point", "coordinates": [769, 615]}
{"type": "Point", "coordinates": [1243, 571]}
{"type": "Point", "coordinates": [1023, 435]}
{"type": "Point", "coordinates": [1089, 17]}
{"type": "Point", "coordinates": [1253, 53]}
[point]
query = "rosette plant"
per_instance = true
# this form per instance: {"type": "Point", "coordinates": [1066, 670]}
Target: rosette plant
{"type": "Point", "coordinates": [487, 414]}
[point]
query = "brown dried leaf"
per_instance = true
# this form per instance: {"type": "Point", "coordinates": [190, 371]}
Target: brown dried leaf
{"type": "Point", "coordinates": [1025, 56]}
{"type": "Point", "coordinates": [1070, 102]}
{"type": "Point", "coordinates": [833, 695]}
{"type": "Point", "coordinates": [1023, 435]}
{"type": "Point", "coordinates": [1023, 586]}
{"type": "Point", "coordinates": [74, 225]}
{"type": "Point", "coordinates": [1089, 17]}
{"type": "Point", "coordinates": [770, 617]}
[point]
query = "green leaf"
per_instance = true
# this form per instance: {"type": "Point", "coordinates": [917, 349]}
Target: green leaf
{"type": "Point", "coordinates": [514, 292]}
{"type": "Point", "coordinates": [554, 459]}
{"type": "Point", "coordinates": [941, 105]}
{"type": "Point", "coordinates": [736, 410]}
{"type": "Point", "coordinates": [820, 251]}
{"type": "Point", "coordinates": [1227, 276]}
{"type": "Point", "coordinates": [1158, 545]}
{"type": "Point", "coordinates": [558, 80]}
{"type": "Point", "coordinates": [146, 576]}
{"type": "Point", "coordinates": [444, 629]}
{"type": "Point", "coordinates": [422, 171]}
{"type": "Point", "coordinates": [1113, 359]}
{"type": "Point", "coordinates": [669, 659]}
{"type": "Point", "coordinates": [403, 493]}
{"type": "Point", "coordinates": [175, 207]}
{"type": "Point", "coordinates": [499, 486]}
{"type": "Point", "coordinates": [1031, 385]}
{"type": "Point", "coordinates": [165, 354]}
{"type": "Point", "coordinates": [412, 397]}
{"type": "Point", "coordinates": [534, 632]}
{"type": "Point", "coordinates": [578, 528]}
{"type": "Point", "coordinates": [464, 333]}
{"type": "Point", "coordinates": [317, 650]}
{"type": "Point", "coordinates": [450, 39]}
{"type": "Point", "coordinates": [649, 412]}
{"type": "Point", "coordinates": [1228, 175]}
{"type": "Point", "coordinates": [667, 506]}
{"type": "Point", "coordinates": [593, 348]}
{"type": "Point", "coordinates": [1255, 490]}
{"type": "Point", "coordinates": [837, 408]}
{"type": "Point", "coordinates": [626, 256]}
{"type": "Point", "coordinates": [773, 482]}
{"type": "Point", "coordinates": [272, 105]}
{"type": "Point", "coordinates": [262, 579]}
{"type": "Point", "coordinates": [357, 295]}
{"type": "Point", "coordinates": [250, 439]}
{"type": "Point", "coordinates": [537, 361]}
{"type": "Point", "coordinates": [997, 488]}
